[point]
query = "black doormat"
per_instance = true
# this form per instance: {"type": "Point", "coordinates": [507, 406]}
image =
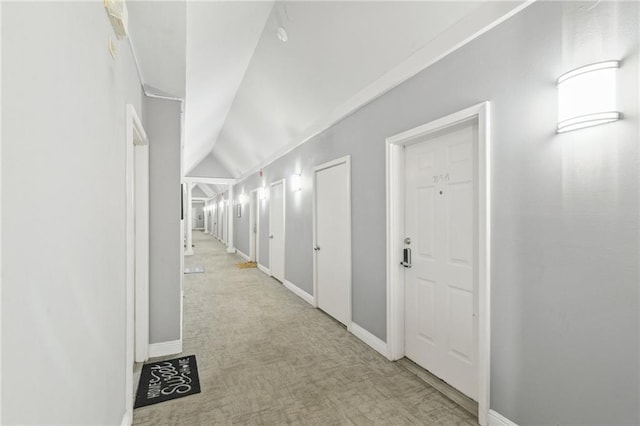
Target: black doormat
{"type": "Point", "coordinates": [164, 380]}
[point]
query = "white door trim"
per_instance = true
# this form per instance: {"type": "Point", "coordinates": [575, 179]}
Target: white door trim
{"type": "Point", "coordinates": [198, 201]}
{"type": "Point", "coordinates": [395, 233]}
{"type": "Point", "coordinates": [342, 160]}
{"type": "Point", "coordinates": [137, 249]}
{"type": "Point", "coordinates": [284, 228]}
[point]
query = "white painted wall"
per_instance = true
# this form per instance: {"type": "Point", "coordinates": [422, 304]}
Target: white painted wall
{"type": "Point", "coordinates": [63, 311]}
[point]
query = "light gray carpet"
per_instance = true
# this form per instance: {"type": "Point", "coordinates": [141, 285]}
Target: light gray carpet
{"type": "Point", "coordinates": [267, 357]}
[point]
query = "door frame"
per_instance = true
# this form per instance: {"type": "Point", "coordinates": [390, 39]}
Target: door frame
{"type": "Point", "coordinates": [197, 201]}
{"type": "Point", "coordinates": [254, 219]}
{"type": "Point", "coordinates": [395, 234]}
{"type": "Point", "coordinates": [347, 161]}
{"type": "Point", "coordinates": [284, 227]}
{"type": "Point", "coordinates": [137, 248]}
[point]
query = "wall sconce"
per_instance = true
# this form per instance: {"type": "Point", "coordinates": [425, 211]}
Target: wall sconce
{"type": "Point", "coordinates": [242, 198]}
{"type": "Point", "coordinates": [296, 182]}
{"type": "Point", "coordinates": [587, 96]}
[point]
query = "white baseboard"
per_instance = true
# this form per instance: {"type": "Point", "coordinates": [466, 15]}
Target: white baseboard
{"type": "Point", "coordinates": [368, 338]}
{"type": "Point", "coordinates": [231, 250]}
{"type": "Point", "coordinates": [300, 292]}
{"type": "Point", "coordinates": [165, 348]}
{"type": "Point", "coordinates": [126, 419]}
{"type": "Point", "coordinates": [264, 269]}
{"type": "Point", "coordinates": [242, 255]}
{"type": "Point", "coordinates": [188, 252]}
{"type": "Point", "coordinates": [497, 419]}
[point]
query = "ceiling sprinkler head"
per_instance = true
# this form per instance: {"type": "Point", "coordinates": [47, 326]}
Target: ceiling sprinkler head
{"type": "Point", "coordinates": [282, 34]}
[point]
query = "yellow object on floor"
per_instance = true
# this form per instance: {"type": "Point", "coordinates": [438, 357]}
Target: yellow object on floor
{"type": "Point", "coordinates": [244, 265]}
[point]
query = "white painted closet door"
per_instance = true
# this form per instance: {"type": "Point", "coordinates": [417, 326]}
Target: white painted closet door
{"type": "Point", "coordinates": [441, 291]}
{"type": "Point", "coordinates": [333, 242]}
{"type": "Point", "coordinates": [276, 231]}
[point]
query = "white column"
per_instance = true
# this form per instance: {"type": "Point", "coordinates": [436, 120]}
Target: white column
{"type": "Point", "coordinates": [189, 217]}
{"type": "Point", "coordinates": [231, 213]}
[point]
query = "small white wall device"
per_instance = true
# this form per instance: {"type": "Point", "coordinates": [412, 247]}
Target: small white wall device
{"type": "Point", "coordinates": [119, 17]}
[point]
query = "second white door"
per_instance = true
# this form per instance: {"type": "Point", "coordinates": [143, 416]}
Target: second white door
{"type": "Point", "coordinates": [441, 286]}
{"type": "Point", "coordinates": [332, 198]}
{"type": "Point", "coordinates": [276, 230]}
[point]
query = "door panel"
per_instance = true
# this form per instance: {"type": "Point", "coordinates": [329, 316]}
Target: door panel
{"type": "Point", "coordinates": [441, 329]}
{"type": "Point", "coordinates": [276, 227]}
{"type": "Point", "coordinates": [426, 300]}
{"type": "Point", "coordinates": [333, 241]}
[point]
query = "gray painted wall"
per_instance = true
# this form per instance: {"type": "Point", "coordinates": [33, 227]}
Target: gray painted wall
{"type": "Point", "coordinates": [565, 210]}
{"type": "Point", "coordinates": [163, 129]}
{"type": "Point", "coordinates": [63, 285]}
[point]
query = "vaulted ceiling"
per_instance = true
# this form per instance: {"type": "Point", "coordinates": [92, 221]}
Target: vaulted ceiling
{"type": "Point", "coordinates": [250, 96]}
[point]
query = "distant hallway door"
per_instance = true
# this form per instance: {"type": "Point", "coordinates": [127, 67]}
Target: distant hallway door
{"type": "Point", "coordinates": [332, 235]}
{"type": "Point", "coordinates": [277, 230]}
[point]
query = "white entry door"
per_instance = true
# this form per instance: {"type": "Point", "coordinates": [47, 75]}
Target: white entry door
{"type": "Point", "coordinates": [276, 230]}
{"type": "Point", "coordinates": [441, 286]}
{"type": "Point", "coordinates": [332, 198]}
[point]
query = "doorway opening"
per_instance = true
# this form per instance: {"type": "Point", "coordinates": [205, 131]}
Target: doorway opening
{"type": "Point", "coordinates": [137, 249]}
{"type": "Point", "coordinates": [442, 197]}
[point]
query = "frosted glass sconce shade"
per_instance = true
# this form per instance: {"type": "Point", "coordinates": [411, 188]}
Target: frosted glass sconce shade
{"type": "Point", "coordinates": [587, 96]}
{"type": "Point", "coordinates": [262, 193]}
{"type": "Point", "coordinates": [296, 183]}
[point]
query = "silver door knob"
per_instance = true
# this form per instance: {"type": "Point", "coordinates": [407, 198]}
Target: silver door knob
{"type": "Point", "coordinates": [316, 248]}
{"type": "Point", "coordinates": [271, 237]}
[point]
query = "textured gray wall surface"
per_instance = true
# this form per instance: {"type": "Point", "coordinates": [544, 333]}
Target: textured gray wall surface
{"type": "Point", "coordinates": [564, 210]}
{"type": "Point", "coordinates": [63, 285]}
{"type": "Point", "coordinates": [163, 129]}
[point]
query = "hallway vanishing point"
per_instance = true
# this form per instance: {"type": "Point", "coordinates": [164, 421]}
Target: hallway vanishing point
{"type": "Point", "coordinates": [267, 357]}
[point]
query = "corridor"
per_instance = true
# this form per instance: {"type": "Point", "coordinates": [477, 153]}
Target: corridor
{"type": "Point", "coordinates": [267, 357]}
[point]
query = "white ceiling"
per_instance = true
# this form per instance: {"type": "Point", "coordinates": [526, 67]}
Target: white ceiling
{"type": "Point", "coordinates": [158, 31]}
{"type": "Point", "coordinates": [335, 49]}
{"type": "Point", "coordinates": [250, 96]}
{"type": "Point", "coordinates": [221, 38]}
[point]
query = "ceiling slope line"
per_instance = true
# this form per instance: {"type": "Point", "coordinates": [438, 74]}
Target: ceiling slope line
{"type": "Point", "coordinates": [143, 85]}
{"type": "Point", "coordinates": [190, 168]}
{"type": "Point", "coordinates": [398, 75]}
